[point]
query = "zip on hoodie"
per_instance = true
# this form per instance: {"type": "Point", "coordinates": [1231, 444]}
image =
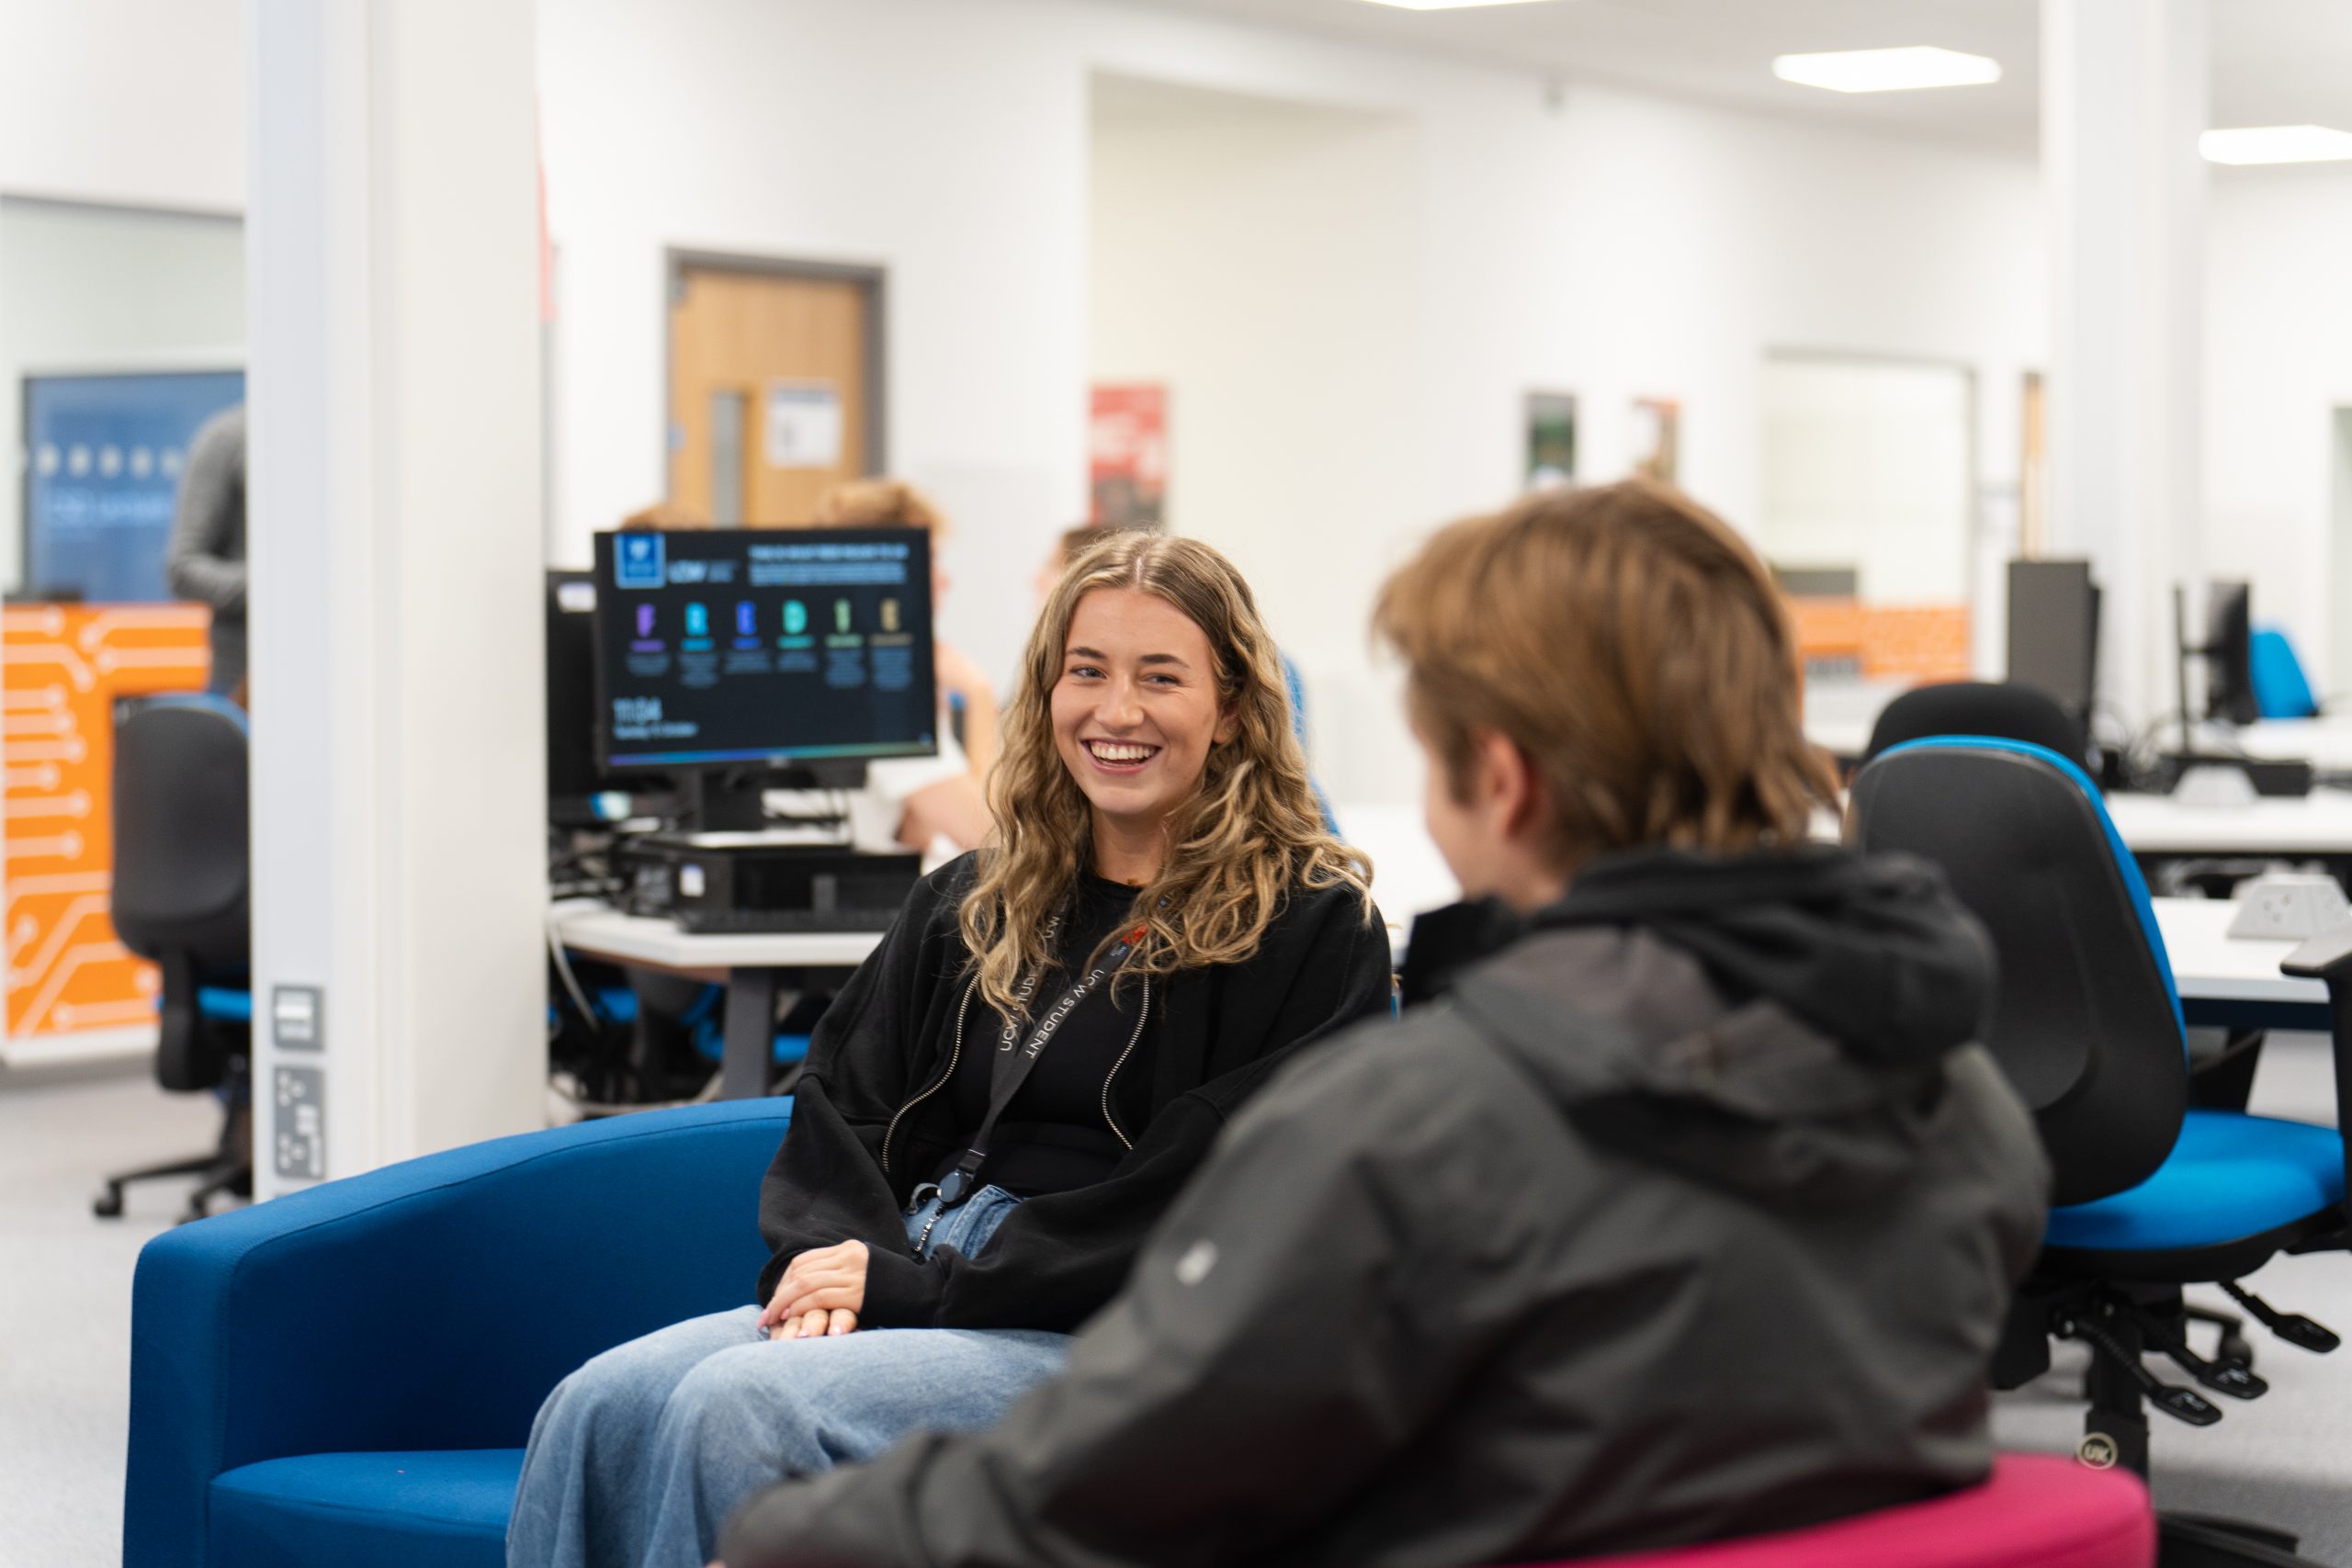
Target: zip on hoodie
{"type": "Point", "coordinates": [954, 1055]}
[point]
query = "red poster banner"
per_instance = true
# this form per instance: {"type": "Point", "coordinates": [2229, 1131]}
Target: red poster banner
{"type": "Point", "coordinates": [1127, 443]}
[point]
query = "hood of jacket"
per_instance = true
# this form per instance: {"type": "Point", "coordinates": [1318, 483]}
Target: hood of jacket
{"type": "Point", "coordinates": [1778, 1020]}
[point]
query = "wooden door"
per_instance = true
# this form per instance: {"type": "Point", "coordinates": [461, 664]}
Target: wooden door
{"type": "Point", "coordinates": [770, 391]}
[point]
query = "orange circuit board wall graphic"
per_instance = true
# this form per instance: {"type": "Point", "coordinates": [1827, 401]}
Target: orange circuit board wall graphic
{"type": "Point", "coordinates": [63, 668]}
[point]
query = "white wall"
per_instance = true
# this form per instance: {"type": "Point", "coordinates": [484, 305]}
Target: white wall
{"type": "Point", "coordinates": [1867, 465]}
{"type": "Point", "coordinates": [1262, 260]}
{"type": "Point", "coordinates": [2277, 362]}
{"type": "Point", "coordinates": [1617, 246]}
{"type": "Point", "coordinates": [942, 140]}
{"type": "Point", "coordinates": [140, 102]}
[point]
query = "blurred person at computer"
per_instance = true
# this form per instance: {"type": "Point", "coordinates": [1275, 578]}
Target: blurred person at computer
{"type": "Point", "coordinates": [963, 686]}
{"type": "Point", "coordinates": [1011, 1092]}
{"type": "Point", "coordinates": [1687, 1210]}
{"type": "Point", "coordinates": [205, 560]}
{"type": "Point", "coordinates": [1068, 546]}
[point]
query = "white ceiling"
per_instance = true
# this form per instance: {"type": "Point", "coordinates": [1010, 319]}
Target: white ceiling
{"type": "Point", "coordinates": [2274, 62]}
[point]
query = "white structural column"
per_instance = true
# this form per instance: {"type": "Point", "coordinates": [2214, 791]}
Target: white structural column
{"type": "Point", "coordinates": [2123, 98]}
{"type": "Point", "coordinates": [394, 537]}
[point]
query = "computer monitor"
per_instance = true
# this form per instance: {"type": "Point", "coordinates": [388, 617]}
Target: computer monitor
{"type": "Point", "coordinates": [2228, 653]}
{"type": "Point", "coordinates": [2053, 632]}
{"type": "Point", "coordinates": [580, 792]}
{"type": "Point", "coordinates": [724, 653]}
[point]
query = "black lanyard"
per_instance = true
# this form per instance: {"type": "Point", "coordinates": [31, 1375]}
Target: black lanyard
{"type": "Point", "coordinates": [1014, 1061]}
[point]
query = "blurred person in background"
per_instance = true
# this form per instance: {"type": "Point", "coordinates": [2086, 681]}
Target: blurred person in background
{"type": "Point", "coordinates": [963, 687]}
{"type": "Point", "coordinates": [206, 558]}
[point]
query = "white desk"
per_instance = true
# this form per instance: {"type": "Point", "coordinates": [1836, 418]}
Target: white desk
{"type": "Point", "coordinates": [749, 963]}
{"type": "Point", "coordinates": [593, 926]}
{"type": "Point", "coordinates": [1409, 878]}
{"type": "Point", "coordinates": [2210, 967]}
{"type": "Point", "coordinates": [2317, 824]}
{"type": "Point", "coordinates": [2325, 743]}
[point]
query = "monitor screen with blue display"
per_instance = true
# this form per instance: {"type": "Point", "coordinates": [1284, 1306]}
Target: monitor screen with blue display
{"type": "Point", "coordinates": [725, 646]}
{"type": "Point", "coordinates": [104, 457]}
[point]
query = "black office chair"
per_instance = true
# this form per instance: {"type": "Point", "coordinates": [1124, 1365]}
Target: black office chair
{"type": "Point", "coordinates": [2150, 1193]}
{"type": "Point", "coordinates": [180, 899]}
{"type": "Point", "coordinates": [2005, 708]}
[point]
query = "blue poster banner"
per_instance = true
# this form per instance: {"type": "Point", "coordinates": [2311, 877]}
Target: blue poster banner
{"type": "Point", "coordinates": [104, 457]}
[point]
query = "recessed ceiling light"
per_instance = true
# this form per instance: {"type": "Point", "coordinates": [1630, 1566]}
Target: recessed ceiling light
{"type": "Point", "coordinates": [1886, 70]}
{"type": "Point", "coordinates": [2276, 145]}
{"type": "Point", "coordinates": [1447, 5]}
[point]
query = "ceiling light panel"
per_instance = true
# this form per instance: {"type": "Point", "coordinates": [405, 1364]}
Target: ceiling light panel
{"type": "Point", "coordinates": [2276, 145]}
{"type": "Point", "coordinates": [1887, 70]}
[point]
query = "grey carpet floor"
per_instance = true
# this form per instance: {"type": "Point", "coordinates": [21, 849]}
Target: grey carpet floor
{"type": "Point", "coordinates": [65, 1300]}
{"type": "Point", "coordinates": [65, 1330]}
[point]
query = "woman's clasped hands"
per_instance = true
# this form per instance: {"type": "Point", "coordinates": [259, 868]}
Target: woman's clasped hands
{"type": "Point", "coordinates": [821, 1293]}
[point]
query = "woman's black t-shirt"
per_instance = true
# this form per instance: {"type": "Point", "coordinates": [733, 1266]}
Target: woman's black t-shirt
{"type": "Point", "coordinates": [1058, 1134]}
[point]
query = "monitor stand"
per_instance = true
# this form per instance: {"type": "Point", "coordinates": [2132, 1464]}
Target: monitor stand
{"type": "Point", "coordinates": [729, 800]}
{"type": "Point", "coordinates": [722, 800]}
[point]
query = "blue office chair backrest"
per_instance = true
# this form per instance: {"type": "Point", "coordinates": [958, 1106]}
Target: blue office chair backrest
{"type": "Point", "coordinates": [2086, 1022]}
{"type": "Point", "coordinates": [2281, 688]}
{"type": "Point", "coordinates": [180, 794]}
{"type": "Point", "coordinates": [2006, 709]}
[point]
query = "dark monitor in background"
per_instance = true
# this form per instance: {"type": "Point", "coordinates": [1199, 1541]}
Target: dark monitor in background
{"type": "Point", "coordinates": [2228, 653]}
{"type": "Point", "coordinates": [580, 793]}
{"type": "Point", "coordinates": [724, 654]}
{"type": "Point", "coordinates": [2053, 632]}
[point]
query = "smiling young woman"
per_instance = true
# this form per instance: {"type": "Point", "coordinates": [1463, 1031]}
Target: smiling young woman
{"type": "Point", "coordinates": [1008, 1094]}
{"type": "Point", "coordinates": [1152, 732]}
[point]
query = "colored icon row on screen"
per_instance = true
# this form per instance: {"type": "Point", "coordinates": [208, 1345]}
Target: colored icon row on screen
{"type": "Point", "coordinates": [796, 617]}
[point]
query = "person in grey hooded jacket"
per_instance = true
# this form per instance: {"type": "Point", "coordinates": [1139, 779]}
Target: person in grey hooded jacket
{"type": "Point", "coordinates": [1683, 1207]}
{"type": "Point", "coordinates": [206, 558]}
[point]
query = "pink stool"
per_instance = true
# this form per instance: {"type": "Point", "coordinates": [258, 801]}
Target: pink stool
{"type": "Point", "coordinates": [2036, 1511]}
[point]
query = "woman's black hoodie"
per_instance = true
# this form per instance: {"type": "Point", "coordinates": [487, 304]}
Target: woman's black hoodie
{"type": "Point", "coordinates": [1217, 1034]}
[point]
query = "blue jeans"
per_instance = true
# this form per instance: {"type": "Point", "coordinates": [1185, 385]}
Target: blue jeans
{"type": "Point", "coordinates": [638, 1458]}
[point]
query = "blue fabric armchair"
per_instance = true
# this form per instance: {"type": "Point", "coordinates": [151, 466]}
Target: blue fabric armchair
{"type": "Point", "coordinates": [348, 1374]}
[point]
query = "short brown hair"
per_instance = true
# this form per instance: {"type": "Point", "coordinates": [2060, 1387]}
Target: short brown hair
{"type": "Point", "coordinates": [1632, 649]}
{"type": "Point", "coordinates": [664, 514]}
{"type": "Point", "coordinates": [879, 504]}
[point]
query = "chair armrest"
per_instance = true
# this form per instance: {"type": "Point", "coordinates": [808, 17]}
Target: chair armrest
{"type": "Point", "coordinates": [2327, 956]}
{"type": "Point", "coordinates": [429, 1304]}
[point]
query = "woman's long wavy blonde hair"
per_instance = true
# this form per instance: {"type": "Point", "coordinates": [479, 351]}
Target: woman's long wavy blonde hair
{"type": "Point", "coordinates": [1251, 833]}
